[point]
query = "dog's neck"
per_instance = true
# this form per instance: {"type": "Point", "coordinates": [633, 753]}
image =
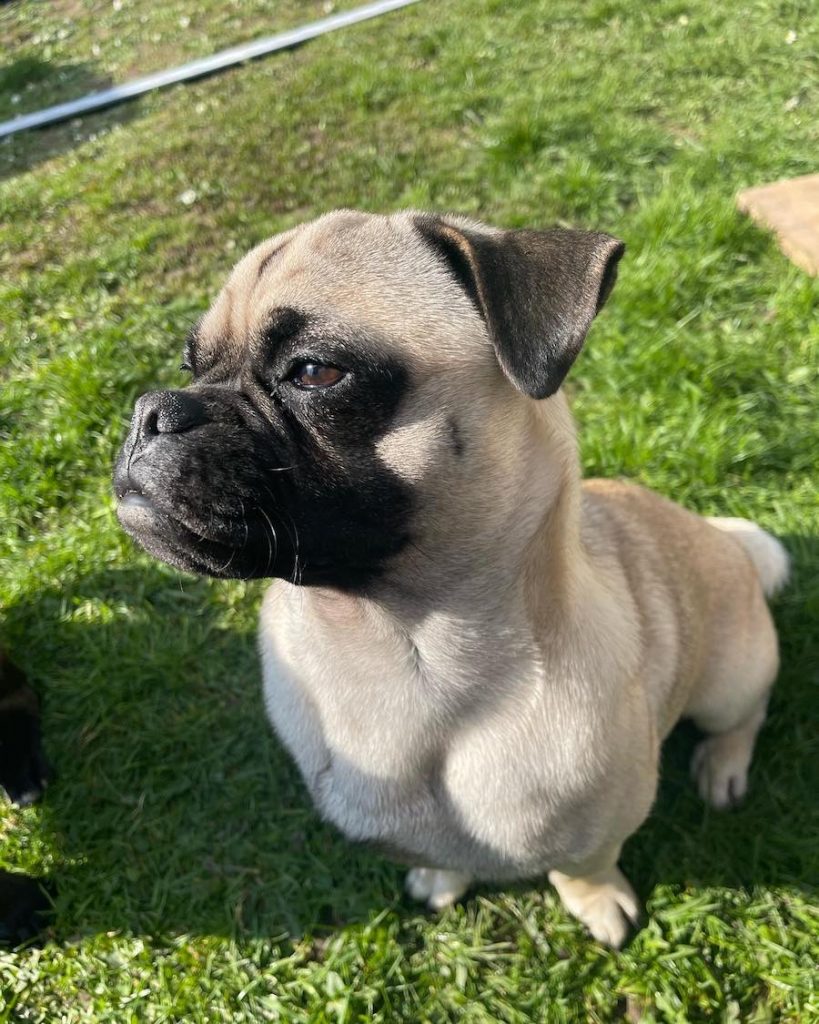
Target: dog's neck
{"type": "Point", "coordinates": [527, 550]}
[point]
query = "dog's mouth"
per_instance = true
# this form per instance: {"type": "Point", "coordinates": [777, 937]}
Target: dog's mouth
{"type": "Point", "coordinates": [134, 499]}
{"type": "Point", "coordinates": [182, 541]}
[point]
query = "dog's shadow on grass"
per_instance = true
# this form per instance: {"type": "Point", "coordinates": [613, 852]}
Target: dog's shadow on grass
{"type": "Point", "coordinates": [176, 811]}
{"type": "Point", "coordinates": [173, 808]}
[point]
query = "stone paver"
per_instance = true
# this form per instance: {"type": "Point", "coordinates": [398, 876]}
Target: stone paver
{"type": "Point", "coordinates": [791, 210]}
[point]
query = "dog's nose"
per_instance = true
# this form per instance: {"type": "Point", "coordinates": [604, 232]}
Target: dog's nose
{"type": "Point", "coordinates": [168, 412]}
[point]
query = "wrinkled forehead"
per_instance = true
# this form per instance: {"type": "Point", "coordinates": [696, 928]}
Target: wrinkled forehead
{"type": "Point", "coordinates": [368, 273]}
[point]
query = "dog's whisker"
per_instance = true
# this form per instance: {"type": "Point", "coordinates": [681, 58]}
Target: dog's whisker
{"type": "Point", "coordinates": [295, 577]}
{"type": "Point", "coordinates": [272, 555]}
{"type": "Point", "coordinates": [245, 524]}
{"type": "Point", "coordinates": [235, 551]}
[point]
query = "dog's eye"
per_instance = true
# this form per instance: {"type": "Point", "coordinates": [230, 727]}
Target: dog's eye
{"type": "Point", "coordinates": [315, 375]}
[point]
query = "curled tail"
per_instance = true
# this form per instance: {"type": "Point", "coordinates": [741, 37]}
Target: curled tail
{"type": "Point", "coordinates": [767, 553]}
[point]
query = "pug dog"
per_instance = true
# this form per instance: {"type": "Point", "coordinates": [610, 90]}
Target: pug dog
{"type": "Point", "coordinates": [472, 656]}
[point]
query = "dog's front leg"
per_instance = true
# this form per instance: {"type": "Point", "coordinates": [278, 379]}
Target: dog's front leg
{"type": "Point", "coordinates": [602, 899]}
{"type": "Point", "coordinates": [438, 889]}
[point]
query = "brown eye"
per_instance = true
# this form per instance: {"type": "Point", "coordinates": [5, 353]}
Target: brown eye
{"type": "Point", "coordinates": [316, 375]}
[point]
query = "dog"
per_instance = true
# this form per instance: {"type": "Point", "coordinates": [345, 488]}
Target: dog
{"type": "Point", "coordinates": [472, 656]}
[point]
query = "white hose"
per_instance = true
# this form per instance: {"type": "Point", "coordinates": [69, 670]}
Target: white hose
{"type": "Point", "coordinates": [198, 68]}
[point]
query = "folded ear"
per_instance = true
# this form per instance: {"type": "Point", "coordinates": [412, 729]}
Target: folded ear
{"type": "Point", "coordinates": [537, 291]}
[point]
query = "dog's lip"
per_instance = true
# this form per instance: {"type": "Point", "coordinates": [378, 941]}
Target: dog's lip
{"type": "Point", "coordinates": [170, 538]}
{"type": "Point", "coordinates": [135, 499]}
{"type": "Point", "coordinates": [141, 512]}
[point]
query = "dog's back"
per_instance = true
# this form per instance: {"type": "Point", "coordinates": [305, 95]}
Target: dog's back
{"type": "Point", "coordinates": [699, 584]}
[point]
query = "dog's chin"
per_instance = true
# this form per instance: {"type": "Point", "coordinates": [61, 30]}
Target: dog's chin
{"type": "Point", "coordinates": [171, 541]}
{"type": "Point", "coordinates": [244, 549]}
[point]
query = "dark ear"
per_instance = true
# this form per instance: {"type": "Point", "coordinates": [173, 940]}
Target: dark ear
{"type": "Point", "coordinates": [538, 292]}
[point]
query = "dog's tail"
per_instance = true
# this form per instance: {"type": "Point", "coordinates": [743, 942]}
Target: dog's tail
{"type": "Point", "coordinates": [768, 555]}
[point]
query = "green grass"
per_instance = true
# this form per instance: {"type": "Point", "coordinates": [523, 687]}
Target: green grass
{"type": "Point", "coordinates": [194, 881]}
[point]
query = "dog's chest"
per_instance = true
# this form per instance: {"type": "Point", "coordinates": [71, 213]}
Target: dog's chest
{"type": "Point", "coordinates": [355, 714]}
{"type": "Point", "coordinates": [448, 770]}
{"type": "Point", "coordinates": [367, 753]}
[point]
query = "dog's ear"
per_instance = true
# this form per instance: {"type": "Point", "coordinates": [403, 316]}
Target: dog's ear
{"type": "Point", "coordinates": [537, 291]}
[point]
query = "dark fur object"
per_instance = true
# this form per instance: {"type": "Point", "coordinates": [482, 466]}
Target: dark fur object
{"type": "Point", "coordinates": [23, 775]}
{"type": "Point", "coordinates": [23, 903]}
{"type": "Point", "coordinates": [23, 769]}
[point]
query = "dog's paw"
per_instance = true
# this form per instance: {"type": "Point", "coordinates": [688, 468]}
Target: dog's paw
{"type": "Point", "coordinates": [438, 889]}
{"type": "Point", "coordinates": [719, 766]}
{"type": "Point", "coordinates": [605, 903]}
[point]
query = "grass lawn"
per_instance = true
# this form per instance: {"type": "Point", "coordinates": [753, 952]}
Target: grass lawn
{"type": "Point", "coordinates": [195, 883]}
